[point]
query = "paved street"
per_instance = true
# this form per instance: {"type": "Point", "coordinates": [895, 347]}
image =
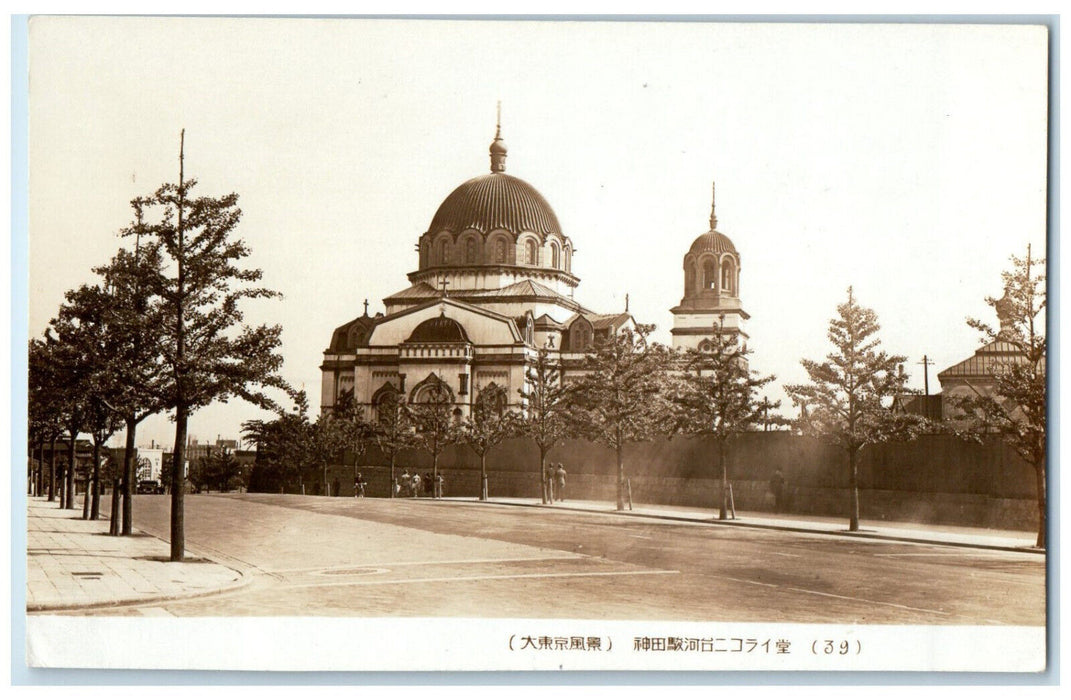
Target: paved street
{"type": "Point", "coordinates": [372, 557]}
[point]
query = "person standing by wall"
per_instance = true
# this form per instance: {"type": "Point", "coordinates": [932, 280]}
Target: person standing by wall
{"type": "Point", "coordinates": [777, 488]}
{"type": "Point", "coordinates": [559, 478]}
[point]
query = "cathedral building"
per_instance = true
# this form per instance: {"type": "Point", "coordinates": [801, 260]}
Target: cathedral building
{"type": "Point", "coordinates": [493, 285]}
{"type": "Point", "coordinates": [711, 290]}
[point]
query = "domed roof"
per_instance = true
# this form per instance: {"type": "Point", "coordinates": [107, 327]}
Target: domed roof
{"type": "Point", "coordinates": [439, 330]}
{"type": "Point", "coordinates": [713, 242]}
{"type": "Point", "coordinates": [495, 201]}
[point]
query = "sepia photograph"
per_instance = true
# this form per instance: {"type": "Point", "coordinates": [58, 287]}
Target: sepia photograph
{"type": "Point", "coordinates": [526, 345]}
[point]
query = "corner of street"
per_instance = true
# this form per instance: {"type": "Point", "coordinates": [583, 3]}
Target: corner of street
{"type": "Point", "coordinates": [73, 564]}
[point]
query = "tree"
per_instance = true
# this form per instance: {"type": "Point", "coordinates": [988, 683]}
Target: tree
{"type": "Point", "coordinates": [434, 422]}
{"type": "Point", "coordinates": [282, 447]}
{"type": "Point", "coordinates": [44, 408]}
{"type": "Point", "coordinates": [547, 416]}
{"type": "Point", "coordinates": [1015, 406]}
{"type": "Point", "coordinates": [847, 402]}
{"type": "Point", "coordinates": [138, 377]}
{"type": "Point", "coordinates": [489, 424]}
{"type": "Point", "coordinates": [208, 352]}
{"type": "Point", "coordinates": [717, 395]}
{"type": "Point", "coordinates": [392, 430]}
{"type": "Point", "coordinates": [620, 398]}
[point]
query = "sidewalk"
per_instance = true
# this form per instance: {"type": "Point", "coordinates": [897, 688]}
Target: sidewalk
{"type": "Point", "coordinates": [73, 563]}
{"type": "Point", "coordinates": [952, 535]}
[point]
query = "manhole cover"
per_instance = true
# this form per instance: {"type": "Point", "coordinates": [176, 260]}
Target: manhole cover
{"type": "Point", "coordinates": [358, 571]}
{"type": "Point", "coordinates": [87, 574]}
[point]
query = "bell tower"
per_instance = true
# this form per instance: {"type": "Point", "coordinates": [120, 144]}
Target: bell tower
{"type": "Point", "coordinates": [711, 289]}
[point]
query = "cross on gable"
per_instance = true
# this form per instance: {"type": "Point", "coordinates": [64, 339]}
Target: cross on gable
{"type": "Point", "coordinates": [442, 285]}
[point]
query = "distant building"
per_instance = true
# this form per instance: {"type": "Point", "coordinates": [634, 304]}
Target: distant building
{"type": "Point", "coordinates": [711, 290]}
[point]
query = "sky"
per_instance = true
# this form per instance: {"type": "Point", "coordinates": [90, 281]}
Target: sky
{"type": "Point", "coordinates": [906, 161]}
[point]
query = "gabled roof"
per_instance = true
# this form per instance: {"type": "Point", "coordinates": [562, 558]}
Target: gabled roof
{"type": "Point", "coordinates": [986, 361]}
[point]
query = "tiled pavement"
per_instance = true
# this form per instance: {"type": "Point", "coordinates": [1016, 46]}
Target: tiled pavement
{"type": "Point", "coordinates": [74, 563]}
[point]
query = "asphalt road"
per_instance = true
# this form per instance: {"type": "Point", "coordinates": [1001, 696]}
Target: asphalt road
{"type": "Point", "coordinates": [310, 555]}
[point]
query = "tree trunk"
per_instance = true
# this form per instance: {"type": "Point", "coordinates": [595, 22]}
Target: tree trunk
{"type": "Point", "coordinates": [723, 511]}
{"type": "Point", "coordinates": [543, 473]}
{"type": "Point", "coordinates": [853, 488]}
{"type": "Point", "coordinates": [178, 486]}
{"type": "Point", "coordinates": [94, 507]}
{"type": "Point", "coordinates": [620, 474]}
{"type": "Point", "coordinates": [52, 469]}
{"type": "Point", "coordinates": [68, 498]}
{"type": "Point", "coordinates": [392, 456]}
{"type": "Point", "coordinates": [434, 474]}
{"type": "Point", "coordinates": [1039, 472]}
{"type": "Point", "coordinates": [113, 521]}
{"type": "Point", "coordinates": [483, 476]}
{"type": "Point", "coordinates": [86, 498]}
{"type": "Point", "coordinates": [129, 476]}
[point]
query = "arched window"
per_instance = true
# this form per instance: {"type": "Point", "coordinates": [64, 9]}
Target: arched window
{"type": "Point", "coordinates": [424, 254]}
{"type": "Point", "coordinates": [500, 251]}
{"type": "Point", "coordinates": [554, 261]}
{"type": "Point", "coordinates": [727, 275]}
{"type": "Point", "coordinates": [384, 403]}
{"type": "Point", "coordinates": [529, 252]}
{"type": "Point", "coordinates": [568, 259]}
{"type": "Point", "coordinates": [470, 251]}
{"type": "Point", "coordinates": [580, 337]}
{"type": "Point", "coordinates": [444, 252]}
{"type": "Point", "coordinates": [710, 275]}
{"type": "Point", "coordinates": [689, 280]}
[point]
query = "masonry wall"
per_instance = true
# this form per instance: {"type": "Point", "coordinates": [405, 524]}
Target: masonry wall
{"type": "Point", "coordinates": [936, 478]}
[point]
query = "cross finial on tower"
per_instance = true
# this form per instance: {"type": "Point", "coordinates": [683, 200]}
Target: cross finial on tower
{"type": "Point", "coordinates": [365, 307]}
{"type": "Point", "coordinates": [713, 217]}
{"type": "Point", "coordinates": [626, 302]}
{"type": "Point", "coordinates": [498, 146]}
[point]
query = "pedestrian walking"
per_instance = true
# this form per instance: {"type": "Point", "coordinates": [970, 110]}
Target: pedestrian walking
{"type": "Point", "coordinates": [358, 486]}
{"type": "Point", "coordinates": [439, 485]}
{"type": "Point", "coordinates": [550, 484]}
{"type": "Point", "coordinates": [777, 488]}
{"type": "Point", "coordinates": [428, 484]}
{"type": "Point", "coordinates": [407, 482]}
{"type": "Point", "coordinates": [416, 485]}
{"type": "Point", "coordinates": [559, 478]}
{"type": "Point", "coordinates": [396, 488]}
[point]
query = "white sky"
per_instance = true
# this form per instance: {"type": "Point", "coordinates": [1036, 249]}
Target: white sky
{"type": "Point", "coordinates": [908, 161]}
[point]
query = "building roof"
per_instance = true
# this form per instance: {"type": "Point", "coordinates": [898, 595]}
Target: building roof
{"type": "Point", "coordinates": [985, 362]}
{"type": "Point", "coordinates": [712, 242]}
{"type": "Point", "coordinates": [495, 201]}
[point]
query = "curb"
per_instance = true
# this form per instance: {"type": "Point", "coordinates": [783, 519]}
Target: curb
{"type": "Point", "coordinates": [784, 528]}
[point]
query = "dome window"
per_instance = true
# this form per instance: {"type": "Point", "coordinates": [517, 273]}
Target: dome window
{"type": "Point", "coordinates": [727, 276]}
{"type": "Point", "coordinates": [500, 252]}
{"type": "Point", "coordinates": [529, 252]}
{"type": "Point", "coordinates": [444, 252]}
{"type": "Point", "coordinates": [710, 275]}
{"type": "Point", "coordinates": [554, 256]}
{"type": "Point", "coordinates": [470, 251]}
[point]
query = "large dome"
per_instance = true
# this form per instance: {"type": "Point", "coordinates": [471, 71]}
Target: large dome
{"type": "Point", "coordinates": [495, 201]}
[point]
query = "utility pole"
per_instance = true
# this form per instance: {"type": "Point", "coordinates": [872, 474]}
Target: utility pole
{"type": "Point", "coordinates": [926, 362]}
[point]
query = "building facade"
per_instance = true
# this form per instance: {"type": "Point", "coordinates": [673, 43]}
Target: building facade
{"type": "Point", "coordinates": [493, 285]}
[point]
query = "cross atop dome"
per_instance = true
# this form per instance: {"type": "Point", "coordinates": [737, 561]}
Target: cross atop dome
{"type": "Point", "coordinates": [498, 146]}
{"type": "Point", "coordinates": [713, 217]}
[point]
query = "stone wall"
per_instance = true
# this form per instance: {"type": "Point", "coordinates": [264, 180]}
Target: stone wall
{"type": "Point", "coordinates": [936, 478]}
